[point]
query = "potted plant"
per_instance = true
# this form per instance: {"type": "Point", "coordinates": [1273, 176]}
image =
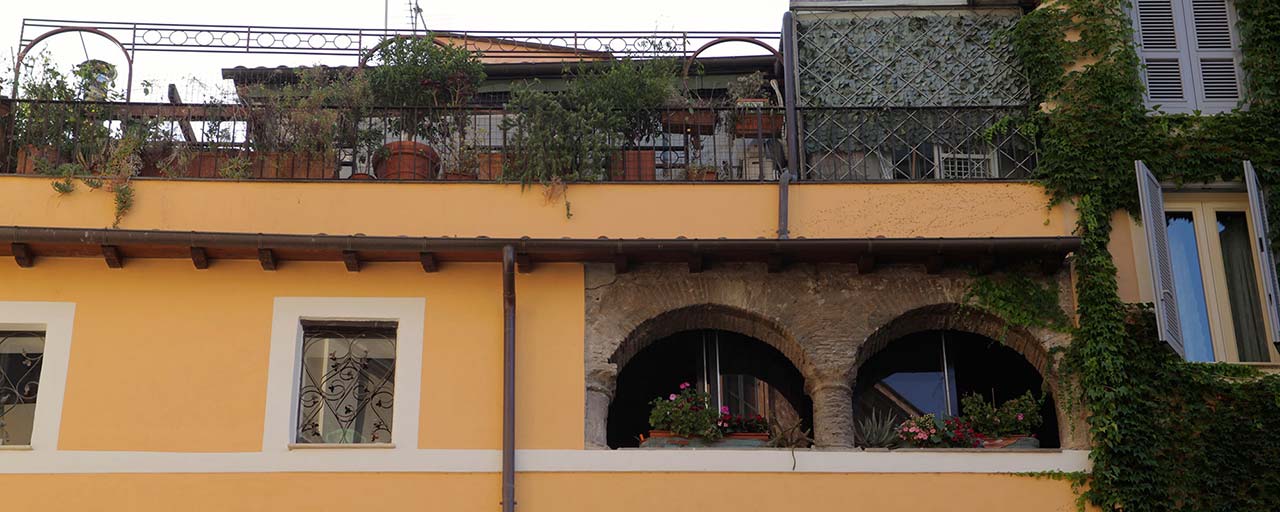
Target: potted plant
{"type": "Point", "coordinates": [1011, 425]}
{"type": "Point", "coordinates": [877, 431]}
{"type": "Point", "coordinates": [928, 431]}
{"type": "Point", "coordinates": [554, 139]}
{"type": "Point", "coordinates": [743, 430]}
{"type": "Point", "coordinates": [682, 419]}
{"type": "Point", "coordinates": [700, 172]}
{"type": "Point", "coordinates": [426, 87]}
{"type": "Point", "coordinates": [754, 113]}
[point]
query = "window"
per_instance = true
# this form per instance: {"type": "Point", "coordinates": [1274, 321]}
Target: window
{"type": "Point", "coordinates": [21, 358]}
{"type": "Point", "coordinates": [928, 372]}
{"type": "Point", "coordinates": [346, 387]}
{"type": "Point", "coordinates": [1190, 54]}
{"type": "Point", "coordinates": [1219, 289]}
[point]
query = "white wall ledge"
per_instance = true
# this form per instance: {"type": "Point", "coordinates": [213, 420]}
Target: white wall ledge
{"type": "Point", "coordinates": [551, 461]}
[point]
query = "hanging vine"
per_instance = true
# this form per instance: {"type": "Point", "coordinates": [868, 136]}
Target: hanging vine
{"type": "Point", "coordinates": [1166, 434]}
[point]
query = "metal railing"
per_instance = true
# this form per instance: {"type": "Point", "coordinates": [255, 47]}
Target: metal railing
{"type": "Point", "coordinates": [237, 141]}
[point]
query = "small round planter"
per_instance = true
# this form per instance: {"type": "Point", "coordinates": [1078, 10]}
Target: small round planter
{"type": "Point", "coordinates": [1012, 442]}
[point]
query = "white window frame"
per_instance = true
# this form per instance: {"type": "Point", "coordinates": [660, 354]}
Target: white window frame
{"type": "Point", "coordinates": [285, 365]}
{"type": "Point", "coordinates": [56, 320]}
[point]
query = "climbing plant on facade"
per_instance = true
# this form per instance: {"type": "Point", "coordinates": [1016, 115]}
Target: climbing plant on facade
{"type": "Point", "coordinates": [1166, 434]}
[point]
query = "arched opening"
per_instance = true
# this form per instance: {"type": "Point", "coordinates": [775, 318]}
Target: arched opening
{"type": "Point", "coordinates": [927, 372]}
{"type": "Point", "coordinates": [740, 372]}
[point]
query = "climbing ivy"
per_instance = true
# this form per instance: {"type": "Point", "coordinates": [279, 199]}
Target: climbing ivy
{"type": "Point", "coordinates": [1166, 434]}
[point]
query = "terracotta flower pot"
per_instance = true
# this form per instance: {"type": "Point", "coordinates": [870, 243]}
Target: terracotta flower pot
{"type": "Point", "coordinates": [459, 176]}
{"type": "Point", "coordinates": [758, 124]}
{"type": "Point", "coordinates": [407, 160]}
{"type": "Point", "coordinates": [632, 165]}
{"type": "Point", "coordinates": [700, 174]}
{"type": "Point", "coordinates": [1019, 441]}
{"type": "Point", "coordinates": [698, 122]}
{"type": "Point", "coordinates": [29, 155]}
{"type": "Point", "coordinates": [490, 168]}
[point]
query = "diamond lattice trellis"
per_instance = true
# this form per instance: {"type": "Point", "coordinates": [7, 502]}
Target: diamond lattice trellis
{"type": "Point", "coordinates": [910, 95]}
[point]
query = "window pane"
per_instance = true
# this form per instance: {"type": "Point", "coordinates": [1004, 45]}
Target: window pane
{"type": "Point", "coordinates": [20, 357]}
{"type": "Point", "coordinates": [347, 383]}
{"type": "Point", "coordinates": [1242, 287]}
{"type": "Point", "coordinates": [1192, 309]}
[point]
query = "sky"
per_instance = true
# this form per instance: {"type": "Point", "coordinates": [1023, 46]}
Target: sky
{"type": "Point", "coordinates": [475, 15]}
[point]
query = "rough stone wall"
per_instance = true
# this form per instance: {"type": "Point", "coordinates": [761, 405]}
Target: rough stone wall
{"type": "Point", "coordinates": [826, 319]}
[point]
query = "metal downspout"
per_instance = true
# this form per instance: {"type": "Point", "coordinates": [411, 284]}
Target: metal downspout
{"type": "Point", "coordinates": [508, 379]}
{"type": "Point", "coordinates": [792, 125]}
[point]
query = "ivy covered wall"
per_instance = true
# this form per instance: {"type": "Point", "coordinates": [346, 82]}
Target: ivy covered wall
{"type": "Point", "coordinates": [1166, 434]}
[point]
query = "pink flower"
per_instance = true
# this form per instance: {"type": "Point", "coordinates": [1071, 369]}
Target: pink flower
{"type": "Point", "coordinates": [724, 409]}
{"type": "Point", "coordinates": [1019, 416]}
{"type": "Point", "coordinates": [672, 397]}
{"type": "Point", "coordinates": [684, 385]}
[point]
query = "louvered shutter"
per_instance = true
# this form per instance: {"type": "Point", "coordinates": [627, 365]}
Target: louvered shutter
{"type": "Point", "coordinates": [1153, 220]}
{"type": "Point", "coordinates": [1215, 59]}
{"type": "Point", "coordinates": [1258, 210]}
{"type": "Point", "coordinates": [1162, 45]}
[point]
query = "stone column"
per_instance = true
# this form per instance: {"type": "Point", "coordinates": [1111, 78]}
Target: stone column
{"type": "Point", "coordinates": [601, 383]}
{"type": "Point", "coordinates": [832, 413]}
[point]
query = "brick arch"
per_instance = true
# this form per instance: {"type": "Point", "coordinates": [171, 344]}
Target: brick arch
{"type": "Point", "coordinates": [958, 317]}
{"type": "Point", "coordinates": [709, 316]}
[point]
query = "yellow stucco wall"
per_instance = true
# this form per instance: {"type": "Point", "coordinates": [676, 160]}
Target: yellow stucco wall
{"type": "Point", "coordinates": [540, 492]}
{"type": "Point", "coordinates": [742, 211]}
{"type": "Point", "coordinates": [168, 358]}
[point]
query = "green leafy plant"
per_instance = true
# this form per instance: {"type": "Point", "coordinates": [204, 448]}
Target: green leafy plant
{"type": "Point", "coordinates": [878, 431]}
{"type": "Point", "coordinates": [555, 138]}
{"type": "Point", "coordinates": [236, 168]}
{"type": "Point", "coordinates": [1019, 416]}
{"type": "Point", "coordinates": [687, 413]}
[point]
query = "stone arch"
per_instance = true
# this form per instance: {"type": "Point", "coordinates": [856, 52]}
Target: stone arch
{"type": "Point", "coordinates": [709, 316]}
{"type": "Point", "coordinates": [1034, 347]}
{"type": "Point", "coordinates": [957, 317]}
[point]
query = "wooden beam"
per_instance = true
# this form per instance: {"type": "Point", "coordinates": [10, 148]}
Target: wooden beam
{"type": "Point", "coordinates": [111, 253]}
{"type": "Point", "coordinates": [524, 264]}
{"type": "Point", "coordinates": [429, 263]}
{"type": "Point", "coordinates": [935, 263]}
{"type": "Point", "coordinates": [23, 255]}
{"type": "Point", "coordinates": [185, 123]}
{"type": "Point", "coordinates": [352, 260]}
{"type": "Point", "coordinates": [267, 258]}
{"type": "Point", "coordinates": [866, 264]}
{"type": "Point", "coordinates": [200, 258]}
{"type": "Point", "coordinates": [697, 263]}
{"type": "Point", "coordinates": [776, 263]}
{"type": "Point", "coordinates": [621, 264]}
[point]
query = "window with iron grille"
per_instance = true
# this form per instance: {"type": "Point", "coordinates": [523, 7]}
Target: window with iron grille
{"type": "Point", "coordinates": [346, 382]}
{"type": "Point", "coordinates": [1190, 54]}
{"type": "Point", "coordinates": [21, 355]}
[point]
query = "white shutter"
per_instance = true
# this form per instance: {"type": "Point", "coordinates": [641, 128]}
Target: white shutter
{"type": "Point", "coordinates": [1162, 46]}
{"type": "Point", "coordinates": [1151, 198]}
{"type": "Point", "coordinates": [1214, 54]}
{"type": "Point", "coordinates": [1258, 210]}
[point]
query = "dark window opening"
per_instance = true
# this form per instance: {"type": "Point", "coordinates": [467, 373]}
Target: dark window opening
{"type": "Point", "coordinates": [928, 372]}
{"type": "Point", "coordinates": [742, 373]}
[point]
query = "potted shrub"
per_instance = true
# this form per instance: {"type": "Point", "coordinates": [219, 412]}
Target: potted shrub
{"type": "Point", "coordinates": [554, 139]}
{"type": "Point", "coordinates": [682, 419]}
{"type": "Point", "coordinates": [877, 431]}
{"type": "Point", "coordinates": [743, 430]}
{"type": "Point", "coordinates": [426, 87]}
{"type": "Point", "coordinates": [754, 112]}
{"type": "Point", "coordinates": [1011, 425]}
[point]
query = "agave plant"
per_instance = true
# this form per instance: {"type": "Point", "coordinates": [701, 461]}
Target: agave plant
{"type": "Point", "coordinates": [878, 431]}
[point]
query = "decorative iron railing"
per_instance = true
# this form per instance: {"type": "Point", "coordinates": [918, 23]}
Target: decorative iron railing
{"type": "Point", "coordinates": [474, 143]}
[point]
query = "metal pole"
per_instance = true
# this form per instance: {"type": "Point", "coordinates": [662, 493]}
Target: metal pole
{"type": "Point", "coordinates": [508, 379]}
{"type": "Point", "coordinates": [792, 127]}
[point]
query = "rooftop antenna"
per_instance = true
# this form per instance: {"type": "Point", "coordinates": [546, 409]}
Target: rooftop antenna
{"type": "Point", "coordinates": [415, 15]}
